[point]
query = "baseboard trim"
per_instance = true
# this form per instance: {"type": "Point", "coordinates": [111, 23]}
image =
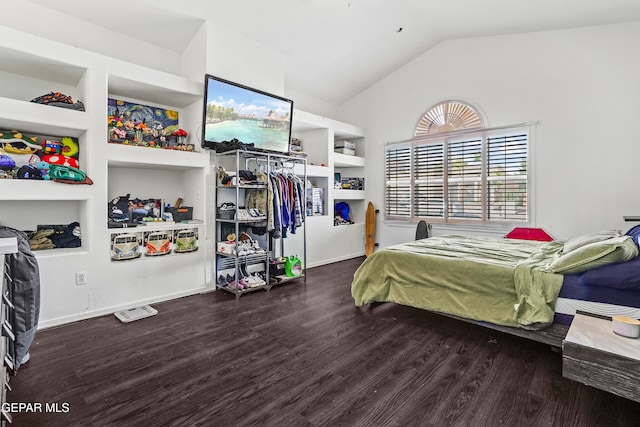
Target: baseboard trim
{"type": "Point", "coordinates": [337, 259]}
{"type": "Point", "coordinates": [51, 323]}
{"type": "Point", "coordinates": [110, 310]}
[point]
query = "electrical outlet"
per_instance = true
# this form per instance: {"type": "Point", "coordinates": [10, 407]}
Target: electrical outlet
{"type": "Point", "coordinates": [81, 278]}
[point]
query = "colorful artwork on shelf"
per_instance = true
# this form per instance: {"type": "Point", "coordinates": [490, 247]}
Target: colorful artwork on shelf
{"type": "Point", "coordinates": [146, 126]}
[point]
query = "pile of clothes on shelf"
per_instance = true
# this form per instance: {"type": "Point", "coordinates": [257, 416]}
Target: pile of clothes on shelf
{"type": "Point", "coordinates": [243, 178]}
{"type": "Point", "coordinates": [125, 212]}
{"type": "Point", "coordinates": [55, 236]}
{"type": "Point", "coordinates": [57, 99]}
{"type": "Point", "coordinates": [224, 146]}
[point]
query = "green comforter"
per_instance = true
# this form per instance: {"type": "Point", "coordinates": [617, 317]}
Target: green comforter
{"type": "Point", "coordinates": [502, 281]}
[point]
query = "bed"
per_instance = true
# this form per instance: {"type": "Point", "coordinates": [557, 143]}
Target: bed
{"type": "Point", "coordinates": [527, 288]}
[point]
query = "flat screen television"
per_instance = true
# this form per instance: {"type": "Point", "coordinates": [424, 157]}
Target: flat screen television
{"type": "Point", "coordinates": [233, 111]}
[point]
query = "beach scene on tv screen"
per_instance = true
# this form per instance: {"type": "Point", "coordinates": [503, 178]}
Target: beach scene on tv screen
{"type": "Point", "coordinates": [251, 117]}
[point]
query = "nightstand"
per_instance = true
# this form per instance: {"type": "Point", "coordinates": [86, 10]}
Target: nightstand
{"type": "Point", "coordinates": [594, 355]}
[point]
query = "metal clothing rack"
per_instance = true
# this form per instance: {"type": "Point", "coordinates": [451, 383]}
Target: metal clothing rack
{"type": "Point", "coordinates": [272, 162]}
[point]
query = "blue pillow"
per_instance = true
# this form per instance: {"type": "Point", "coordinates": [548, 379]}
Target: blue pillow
{"type": "Point", "coordinates": [621, 275]}
{"type": "Point", "coordinates": [634, 232]}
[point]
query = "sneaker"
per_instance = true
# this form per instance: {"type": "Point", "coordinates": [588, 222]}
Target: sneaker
{"type": "Point", "coordinates": [243, 215]}
{"type": "Point", "coordinates": [251, 281]}
{"type": "Point", "coordinates": [258, 280]}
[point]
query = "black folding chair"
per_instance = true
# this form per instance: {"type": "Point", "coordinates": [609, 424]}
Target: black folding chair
{"type": "Point", "coordinates": [423, 230]}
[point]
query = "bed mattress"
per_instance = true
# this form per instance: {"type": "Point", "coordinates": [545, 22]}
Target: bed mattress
{"type": "Point", "coordinates": [479, 278]}
{"type": "Point", "coordinates": [506, 282]}
{"type": "Point", "coordinates": [608, 291]}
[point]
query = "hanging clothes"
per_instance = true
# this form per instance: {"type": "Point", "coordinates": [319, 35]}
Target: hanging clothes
{"type": "Point", "coordinates": [270, 215]}
{"type": "Point", "coordinates": [300, 200]}
{"type": "Point", "coordinates": [276, 232]}
{"type": "Point", "coordinates": [288, 202]}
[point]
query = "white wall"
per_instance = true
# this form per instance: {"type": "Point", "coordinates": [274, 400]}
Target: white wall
{"type": "Point", "coordinates": [244, 61]}
{"type": "Point", "coordinates": [581, 85]}
{"type": "Point", "coordinates": [304, 102]}
{"type": "Point", "coordinates": [53, 25]}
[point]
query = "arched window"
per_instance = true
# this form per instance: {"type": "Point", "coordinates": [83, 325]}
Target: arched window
{"type": "Point", "coordinates": [448, 116]}
{"type": "Point", "coordinates": [456, 170]}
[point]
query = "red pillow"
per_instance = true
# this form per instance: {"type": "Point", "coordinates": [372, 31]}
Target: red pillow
{"type": "Point", "coordinates": [522, 233]}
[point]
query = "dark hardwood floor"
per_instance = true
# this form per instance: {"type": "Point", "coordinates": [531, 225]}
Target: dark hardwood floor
{"type": "Point", "coordinates": [301, 355]}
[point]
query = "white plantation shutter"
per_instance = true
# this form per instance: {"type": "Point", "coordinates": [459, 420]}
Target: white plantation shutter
{"type": "Point", "coordinates": [429, 175]}
{"type": "Point", "coordinates": [398, 182]}
{"type": "Point", "coordinates": [475, 177]}
{"type": "Point", "coordinates": [464, 183]}
{"type": "Point", "coordinates": [507, 176]}
{"type": "Point", "coordinates": [447, 116]}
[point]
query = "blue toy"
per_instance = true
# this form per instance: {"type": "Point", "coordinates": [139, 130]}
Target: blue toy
{"type": "Point", "coordinates": [6, 162]}
{"type": "Point", "coordinates": [44, 170]}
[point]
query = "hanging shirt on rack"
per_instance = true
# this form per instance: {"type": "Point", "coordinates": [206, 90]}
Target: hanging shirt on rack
{"type": "Point", "coordinates": [291, 211]}
{"type": "Point", "coordinates": [288, 203]}
{"type": "Point", "coordinates": [300, 200]}
{"type": "Point", "coordinates": [277, 214]}
{"type": "Point", "coordinates": [270, 213]}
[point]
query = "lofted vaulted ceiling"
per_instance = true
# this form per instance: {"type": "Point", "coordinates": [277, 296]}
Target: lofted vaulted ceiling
{"type": "Point", "coordinates": [334, 49]}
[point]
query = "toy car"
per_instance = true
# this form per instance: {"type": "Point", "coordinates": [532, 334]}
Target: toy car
{"type": "Point", "coordinates": [125, 246]}
{"type": "Point", "coordinates": [158, 243]}
{"type": "Point", "coordinates": [186, 241]}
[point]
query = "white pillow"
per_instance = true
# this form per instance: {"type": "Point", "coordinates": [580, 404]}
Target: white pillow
{"type": "Point", "coordinates": [596, 254]}
{"type": "Point", "coordinates": [585, 239]}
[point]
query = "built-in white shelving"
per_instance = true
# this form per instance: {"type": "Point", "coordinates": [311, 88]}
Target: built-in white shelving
{"type": "Point", "coordinates": [329, 243]}
{"type": "Point", "coordinates": [31, 66]}
{"type": "Point", "coordinates": [119, 155]}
